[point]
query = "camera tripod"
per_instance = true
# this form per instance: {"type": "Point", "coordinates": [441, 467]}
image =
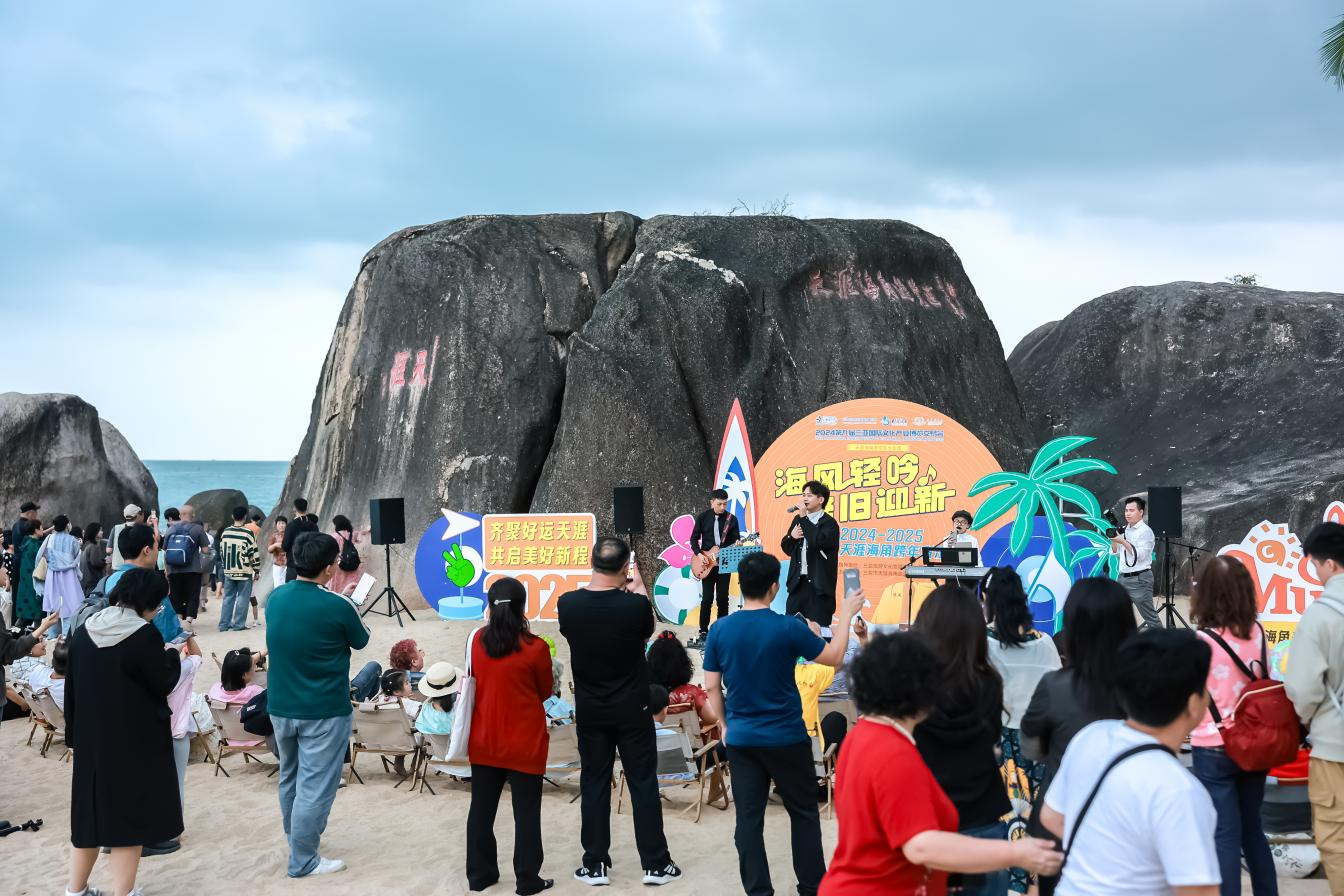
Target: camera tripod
{"type": "Point", "coordinates": [395, 605]}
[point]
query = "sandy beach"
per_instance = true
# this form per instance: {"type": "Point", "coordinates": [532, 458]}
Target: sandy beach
{"type": "Point", "coordinates": [394, 842]}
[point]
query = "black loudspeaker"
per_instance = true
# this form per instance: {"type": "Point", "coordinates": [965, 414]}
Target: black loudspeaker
{"type": "Point", "coordinates": [628, 505]}
{"type": "Point", "coordinates": [387, 520]}
{"type": "Point", "coordinates": [1164, 510]}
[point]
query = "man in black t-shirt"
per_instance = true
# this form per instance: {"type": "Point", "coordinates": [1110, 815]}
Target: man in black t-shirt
{"type": "Point", "coordinates": [607, 629]}
{"type": "Point", "coordinates": [303, 522]}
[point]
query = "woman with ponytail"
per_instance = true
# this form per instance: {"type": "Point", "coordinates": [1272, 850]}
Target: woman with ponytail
{"type": "Point", "coordinates": [508, 743]}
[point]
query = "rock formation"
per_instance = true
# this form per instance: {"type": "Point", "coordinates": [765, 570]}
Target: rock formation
{"type": "Point", "coordinates": [214, 507]}
{"type": "Point", "coordinates": [1229, 391]}
{"type": "Point", "coordinates": [504, 364]}
{"type": "Point", "coordinates": [58, 453]}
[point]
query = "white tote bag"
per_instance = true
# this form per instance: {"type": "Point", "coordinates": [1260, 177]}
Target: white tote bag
{"type": "Point", "coordinates": [462, 710]}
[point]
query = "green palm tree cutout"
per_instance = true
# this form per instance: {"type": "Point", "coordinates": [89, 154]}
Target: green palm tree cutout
{"type": "Point", "coordinates": [1043, 486]}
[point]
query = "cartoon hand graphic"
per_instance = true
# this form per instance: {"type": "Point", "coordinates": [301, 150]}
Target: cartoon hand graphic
{"type": "Point", "coordinates": [457, 568]}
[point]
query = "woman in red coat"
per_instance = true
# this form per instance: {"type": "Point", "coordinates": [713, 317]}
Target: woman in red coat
{"type": "Point", "coordinates": [512, 668]}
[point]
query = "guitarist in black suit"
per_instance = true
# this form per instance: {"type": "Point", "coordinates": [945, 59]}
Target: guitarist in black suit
{"type": "Point", "coordinates": [714, 528]}
{"type": "Point", "coordinates": [813, 546]}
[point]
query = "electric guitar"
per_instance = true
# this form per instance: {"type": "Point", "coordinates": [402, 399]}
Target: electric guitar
{"type": "Point", "coordinates": [705, 562]}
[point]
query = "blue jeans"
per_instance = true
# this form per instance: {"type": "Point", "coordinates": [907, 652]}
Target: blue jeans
{"type": "Point", "coordinates": [1236, 795]}
{"type": "Point", "coordinates": [237, 598]}
{"type": "Point", "coordinates": [994, 883]}
{"type": "Point", "coordinates": [312, 752]}
{"type": "Point", "coordinates": [365, 683]}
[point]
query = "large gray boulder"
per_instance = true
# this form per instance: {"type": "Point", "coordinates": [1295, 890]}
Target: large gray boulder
{"type": "Point", "coordinates": [58, 453]}
{"type": "Point", "coordinates": [214, 507]}
{"type": "Point", "coordinates": [1231, 392]}
{"type": "Point", "coordinates": [508, 364]}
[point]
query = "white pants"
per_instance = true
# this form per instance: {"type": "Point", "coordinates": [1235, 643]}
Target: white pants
{"type": "Point", "coordinates": [277, 576]}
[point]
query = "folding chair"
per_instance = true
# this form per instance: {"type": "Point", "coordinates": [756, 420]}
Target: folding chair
{"type": "Point", "coordinates": [55, 720]}
{"type": "Point", "coordinates": [562, 755]}
{"type": "Point", "coordinates": [680, 766]}
{"type": "Point", "coordinates": [233, 738]}
{"type": "Point", "coordinates": [829, 703]}
{"type": "Point", "coordinates": [688, 721]}
{"type": "Point", "coordinates": [434, 746]}
{"type": "Point", "coordinates": [824, 761]}
{"type": "Point", "coordinates": [385, 730]}
{"type": "Point", "coordinates": [34, 711]}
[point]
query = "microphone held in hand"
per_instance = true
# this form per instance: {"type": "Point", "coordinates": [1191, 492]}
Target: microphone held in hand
{"type": "Point", "coordinates": [793, 508]}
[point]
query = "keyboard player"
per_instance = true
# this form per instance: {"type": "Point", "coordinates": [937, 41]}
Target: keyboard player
{"type": "Point", "coordinates": [961, 536]}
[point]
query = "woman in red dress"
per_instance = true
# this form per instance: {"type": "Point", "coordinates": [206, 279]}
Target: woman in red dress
{"type": "Point", "coordinates": [508, 743]}
{"type": "Point", "coordinates": [897, 827]}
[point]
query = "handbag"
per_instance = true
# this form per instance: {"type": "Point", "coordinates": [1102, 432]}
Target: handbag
{"type": "Point", "coordinates": [1262, 729]}
{"type": "Point", "coordinates": [256, 720]}
{"type": "Point", "coordinates": [462, 710]}
{"type": "Point", "coordinates": [40, 571]}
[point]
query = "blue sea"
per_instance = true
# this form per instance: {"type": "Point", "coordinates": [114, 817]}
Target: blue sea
{"type": "Point", "coordinates": [261, 480]}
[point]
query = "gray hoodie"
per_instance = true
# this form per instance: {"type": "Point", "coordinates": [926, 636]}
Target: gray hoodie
{"type": "Point", "coordinates": [1316, 670]}
{"type": "Point", "coordinates": [110, 627]}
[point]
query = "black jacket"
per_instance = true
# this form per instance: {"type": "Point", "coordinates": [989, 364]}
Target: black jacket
{"type": "Point", "coordinates": [823, 552]}
{"type": "Point", "coordinates": [702, 537]}
{"type": "Point", "coordinates": [957, 741]}
{"type": "Point", "coordinates": [296, 527]}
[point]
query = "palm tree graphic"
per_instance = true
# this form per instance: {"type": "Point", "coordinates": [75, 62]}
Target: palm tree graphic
{"type": "Point", "coordinates": [1043, 487]}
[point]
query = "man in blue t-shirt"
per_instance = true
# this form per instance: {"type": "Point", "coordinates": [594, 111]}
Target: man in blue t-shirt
{"type": "Point", "coordinates": [139, 547]}
{"type": "Point", "coordinates": [753, 652]}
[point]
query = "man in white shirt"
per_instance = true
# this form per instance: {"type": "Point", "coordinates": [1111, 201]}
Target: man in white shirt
{"type": "Point", "coordinates": [1135, 549]}
{"type": "Point", "coordinates": [1149, 828]}
{"type": "Point", "coordinates": [52, 677]}
{"type": "Point", "coordinates": [961, 536]}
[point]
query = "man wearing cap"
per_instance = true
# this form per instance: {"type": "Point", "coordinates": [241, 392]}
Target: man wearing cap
{"type": "Point", "coordinates": [25, 524]}
{"type": "Point", "coordinates": [130, 514]}
{"type": "Point", "coordinates": [310, 633]}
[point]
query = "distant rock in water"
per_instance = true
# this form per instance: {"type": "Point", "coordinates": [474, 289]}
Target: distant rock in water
{"type": "Point", "coordinates": [214, 507]}
{"type": "Point", "coordinates": [1232, 392]}
{"type": "Point", "coordinates": [508, 364]}
{"type": "Point", "coordinates": [58, 453]}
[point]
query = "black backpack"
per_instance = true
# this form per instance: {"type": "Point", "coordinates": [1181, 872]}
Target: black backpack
{"type": "Point", "coordinates": [256, 720]}
{"type": "Point", "coordinates": [349, 560]}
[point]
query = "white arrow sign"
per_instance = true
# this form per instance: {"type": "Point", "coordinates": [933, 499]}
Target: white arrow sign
{"type": "Point", "coordinates": [457, 524]}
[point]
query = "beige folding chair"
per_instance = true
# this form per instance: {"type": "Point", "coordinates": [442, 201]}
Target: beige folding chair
{"type": "Point", "coordinates": [829, 703]}
{"type": "Point", "coordinates": [233, 738]}
{"type": "Point", "coordinates": [824, 761]}
{"type": "Point", "coordinates": [680, 766]}
{"type": "Point", "coordinates": [562, 755]}
{"type": "Point", "coordinates": [435, 747]}
{"type": "Point", "coordinates": [688, 721]}
{"type": "Point", "coordinates": [35, 715]}
{"type": "Point", "coordinates": [54, 717]}
{"type": "Point", "coordinates": [385, 730]}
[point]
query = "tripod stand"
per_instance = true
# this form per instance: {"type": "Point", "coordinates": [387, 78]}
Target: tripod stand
{"type": "Point", "coordinates": [395, 607]}
{"type": "Point", "coordinates": [1169, 589]}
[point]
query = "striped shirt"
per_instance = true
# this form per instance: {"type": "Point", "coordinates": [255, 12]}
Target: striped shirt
{"type": "Point", "coordinates": [238, 555]}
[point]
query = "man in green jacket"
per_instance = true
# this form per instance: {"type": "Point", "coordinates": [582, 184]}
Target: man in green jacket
{"type": "Point", "coordinates": [310, 633]}
{"type": "Point", "coordinates": [1314, 681]}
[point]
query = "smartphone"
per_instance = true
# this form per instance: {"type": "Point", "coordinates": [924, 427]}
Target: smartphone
{"type": "Point", "coordinates": [851, 581]}
{"type": "Point", "coordinates": [800, 616]}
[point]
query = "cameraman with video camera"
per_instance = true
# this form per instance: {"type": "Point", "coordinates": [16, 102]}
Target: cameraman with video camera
{"type": "Point", "coordinates": [1134, 545]}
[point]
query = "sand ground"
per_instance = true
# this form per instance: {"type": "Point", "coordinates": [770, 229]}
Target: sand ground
{"type": "Point", "coordinates": [394, 843]}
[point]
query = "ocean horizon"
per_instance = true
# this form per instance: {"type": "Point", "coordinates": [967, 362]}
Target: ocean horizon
{"type": "Point", "coordinates": [261, 480]}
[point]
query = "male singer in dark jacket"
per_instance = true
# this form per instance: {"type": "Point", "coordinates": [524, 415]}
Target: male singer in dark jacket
{"type": "Point", "coordinates": [813, 546]}
{"type": "Point", "coordinates": [714, 528]}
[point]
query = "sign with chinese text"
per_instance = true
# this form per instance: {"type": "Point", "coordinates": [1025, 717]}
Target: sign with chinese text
{"type": "Point", "coordinates": [896, 470]}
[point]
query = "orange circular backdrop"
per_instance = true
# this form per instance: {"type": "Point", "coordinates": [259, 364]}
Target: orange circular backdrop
{"type": "Point", "coordinates": [896, 471]}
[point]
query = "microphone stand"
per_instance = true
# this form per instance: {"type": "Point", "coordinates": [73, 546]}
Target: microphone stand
{"type": "Point", "coordinates": [910, 583]}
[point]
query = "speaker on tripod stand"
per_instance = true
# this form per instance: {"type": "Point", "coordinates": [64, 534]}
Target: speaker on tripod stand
{"type": "Point", "coordinates": [1164, 518]}
{"type": "Point", "coordinates": [387, 526]}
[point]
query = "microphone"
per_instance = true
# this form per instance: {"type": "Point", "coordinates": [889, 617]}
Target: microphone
{"type": "Point", "coordinates": [793, 508]}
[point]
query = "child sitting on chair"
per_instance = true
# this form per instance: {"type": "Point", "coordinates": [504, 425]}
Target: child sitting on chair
{"type": "Point", "coordinates": [440, 686]}
{"type": "Point", "coordinates": [397, 683]}
{"type": "Point", "coordinates": [235, 677]}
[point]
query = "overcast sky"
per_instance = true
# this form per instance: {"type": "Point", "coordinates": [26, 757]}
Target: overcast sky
{"type": "Point", "coordinates": [195, 184]}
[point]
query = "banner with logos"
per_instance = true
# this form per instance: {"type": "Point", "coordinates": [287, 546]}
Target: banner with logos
{"type": "Point", "coordinates": [461, 554]}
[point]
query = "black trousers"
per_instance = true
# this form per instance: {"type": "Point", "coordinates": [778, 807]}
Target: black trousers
{"type": "Point", "coordinates": [487, 784]}
{"type": "Point", "coordinates": [714, 587]}
{"type": "Point", "coordinates": [804, 598]}
{"type": "Point", "coordinates": [795, 774]}
{"type": "Point", "coordinates": [598, 744]}
{"type": "Point", "coordinates": [184, 592]}
{"type": "Point", "coordinates": [833, 729]}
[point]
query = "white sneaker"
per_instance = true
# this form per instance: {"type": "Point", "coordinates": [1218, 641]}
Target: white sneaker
{"type": "Point", "coordinates": [326, 866]}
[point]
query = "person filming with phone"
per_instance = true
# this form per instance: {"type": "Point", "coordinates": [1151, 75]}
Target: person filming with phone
{"type": "Point", "coordinates": [753, 652]}
{"type": "Point", "coordinates": [813, 546]}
